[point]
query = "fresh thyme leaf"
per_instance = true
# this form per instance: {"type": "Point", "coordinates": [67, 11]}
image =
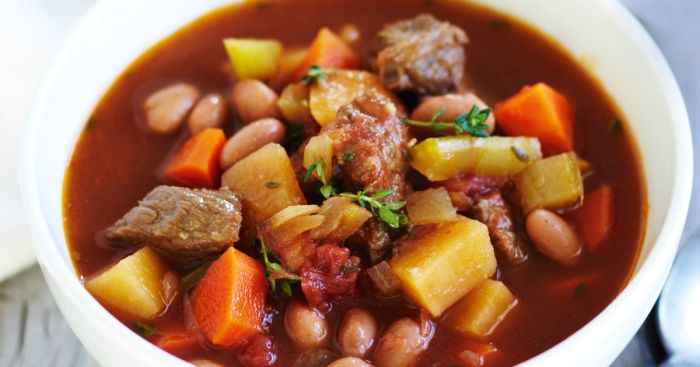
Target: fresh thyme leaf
{"type": "Point", "coordinates": [311, 169]}
{"type": "Point", "coordinates": [615, 126]}
{"type": "Point", "coordinates": [520, 153]}
{"type": "Point", "coordinates": [581, 290]}
{"type": "Point", "coordinates": [294, 137]}
{"type": "Point", "coordinates": [314, 74]}
{"type": "Point", "coordinates": [349, 269]}
{"type": "Point", "coordinates": [387, 213]}
{"type": "Point", "coordinates": [272, 184]}
{"type": "Point", "coordinates": [275, 273]}
{"type": "Point", "coordinates": [146, 330]}
{"type": "Point", "coordinates": [472, 122]}
{"type": "Point", "coordinates": [327, 189]}
{"type": "Point", "coordinates": [348, 156]}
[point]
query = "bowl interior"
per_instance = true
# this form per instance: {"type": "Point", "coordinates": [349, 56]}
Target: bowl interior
{"type": "Point", "coordinates": [616, 51]}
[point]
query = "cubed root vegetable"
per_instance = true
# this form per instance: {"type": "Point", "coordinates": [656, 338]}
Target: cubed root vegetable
{"type": "Point", "coordinates": [133, 286]}
{"type": "Point", "coordinates": [253, 58]}
{"type": "Point", "coordinates": [328, 51]}
{"type": "Point", "coordinates": [177, 342]}
{"type": "Point", "coordinates": [479, 312]}
{"type": "Point", "coordinates": [538, 111]}
{"type": "Point", "coordinates": [430, 206]}
{"type": "Point", "coordinates": [228, 302]}
{"type": "Point", "coordinates": [294, 103]}
{"type": "Point", "coordinates": [320, 149]}
{"type": "Point", "coordinates": [341, 87]}
{"type": "Point", "coordinates": [447, 157]}
{"type": "Point", "coordinates": [438, 264]}
{"type": "Point", "coordinates": [196, 162]}
{"type": "Point", "coordinates": [551, 183]}
{"type": "Point", "coordinates": [595, 217]}
{"type": "Point", "coordinates": [266, 183]}
{"type": "Point", "coordinates": [289, 64]}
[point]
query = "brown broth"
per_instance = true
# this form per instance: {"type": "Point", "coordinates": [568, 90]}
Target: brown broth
{"type": "Point", "coordinates": [115, 162]}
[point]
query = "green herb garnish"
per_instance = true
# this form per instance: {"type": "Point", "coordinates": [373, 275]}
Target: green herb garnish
{"type": "Point", "coordinates": [348, 156]}
{"type": "Point", "coordinates": [388, 213]}
{"type": "Point", "coordinates": [615, 126]}
{"type": "Point", "coordinates": [472, 123]}
{"type": "Point", "coordinates": [314, 74]}
{"type": "Point", "coordinates": [146, 330]}
{"type": "Point", "coordinates": [276, 274]}
{"type": "Point", "coordinates": [580, 290]}
{"type": "Point", "coordinates": [349, 269]}
{"type": "Point", "coordinates": [327, 189]}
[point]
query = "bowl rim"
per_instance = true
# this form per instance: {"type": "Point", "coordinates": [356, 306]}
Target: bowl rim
{"type": "Point", "coordinates": [62, 277]}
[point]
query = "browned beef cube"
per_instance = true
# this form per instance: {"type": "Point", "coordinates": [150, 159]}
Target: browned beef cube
{"type": "Point", "coordinates": [492, 210]}
{"type": "Point", "coordinates": [186, 224]}
{"type": "Point", "coordinates": [421, 54]}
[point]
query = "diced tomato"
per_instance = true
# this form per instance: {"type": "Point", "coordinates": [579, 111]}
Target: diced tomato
{"type": "Point", "coordinates": [329, 275]}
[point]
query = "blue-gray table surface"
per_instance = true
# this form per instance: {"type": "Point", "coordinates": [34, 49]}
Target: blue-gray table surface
{"type": "Point", "coordinates": [33, 332]}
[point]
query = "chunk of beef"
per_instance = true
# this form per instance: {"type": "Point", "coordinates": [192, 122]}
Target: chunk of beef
{"type": "Point", "coordinates": [373, 236]}
{"type": "Point", "coordinates": [492, 210]}
{"type": "Point", "coordinates": [369, 145]}
{"type": "Point", "coordinates": [421, 54]}
{"type": "Point", "coordinates": [464, 188]}
{"type": "Point", "coordinates": [186, 224]}
{"type": "Point", "coordinates": [329, 275]}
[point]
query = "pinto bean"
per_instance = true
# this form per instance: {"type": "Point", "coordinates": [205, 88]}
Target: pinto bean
{"type": "Point", "coordinates": [552, 236]}
{"type": "Point", "coordinates": [454, 105]}
{"type": "Point", "coordinates": [349, 362]}
{"type": "Point", "coordinates": [249, 139]}
{"type": "Point", "coordinates": [254, 100]}
{"type": "Point", "coordinates": [166, 108]}
{"type": "Point", "coordinates": [356, 332]}
{"type": "Point", "coordinates": [401, 344]}
{"type": "Point", "coordinates": [210, 111]}
{"type": "Point", "coordinates": [305, 326]}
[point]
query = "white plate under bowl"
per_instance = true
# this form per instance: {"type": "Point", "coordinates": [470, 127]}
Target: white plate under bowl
{"type": "Point", "coordinates": [627, 63]}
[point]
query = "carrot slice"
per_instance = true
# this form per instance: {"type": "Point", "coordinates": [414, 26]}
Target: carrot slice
{"type": "Point", "coordinates": [196, 163]}
{"type": "Point", "coordinates": [228, 302]}
{"type": "Point", "coordinates": [595, 217]}
{"type": "Point", "coordinates": [178, 343]}
{"type": "Point", "coordinates": [538, 111]}
{"type": "Point", "coordinates": [328, 51]}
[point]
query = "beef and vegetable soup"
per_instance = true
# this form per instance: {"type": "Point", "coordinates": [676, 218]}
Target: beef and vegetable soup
{"type": "Point", "coordinates": [354, 183]}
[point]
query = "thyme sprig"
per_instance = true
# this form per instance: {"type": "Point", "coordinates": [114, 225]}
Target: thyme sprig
{"type": "Point", "coordinates": [275, 273]}
{"type": "Point", "coordinates": [327, 189]}
{"type": "Point", "coordinates": [389, 213]}
{"type": "Point", "coordinates": [472, 122]}
{"type": "Point", "coordinates": [314, 74]}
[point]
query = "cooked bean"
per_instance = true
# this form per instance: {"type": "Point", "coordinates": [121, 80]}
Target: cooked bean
{"type": "Point", "coordinates": [210, 111]}
{"type": "Point", "coordinates": [305, 326]}
{"type": "Point", "coordinates": [166, 108]}
{"type": "Point", "coordinates": [253, 100]}
{"type": "Point", "coordinates": [454, 105]}
{"type": "Point", "coordinates": [349, 362]}
{"type": "Point", "coordinates": [401, 344]}
{"type": "Point", "coordinates": [552, 236]}
{"type": "Point", "coordinates": [356, 332]}
{"type": "Point", "coordinates": [249, 139]}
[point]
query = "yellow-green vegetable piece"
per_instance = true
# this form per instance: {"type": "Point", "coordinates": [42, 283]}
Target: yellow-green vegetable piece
{"type": "Point", "coordinates": [480, 311]}
{"type": "Point", "coordinates": [552, 183]}
{"type": "Point", "coordinates": [447, 157]}
{"type": "Point", "coordinates": [133, 286]}
{"type": "Point", "coordinates": [253, 58]}
{"type": "Point", "coordinates": [438, 264]}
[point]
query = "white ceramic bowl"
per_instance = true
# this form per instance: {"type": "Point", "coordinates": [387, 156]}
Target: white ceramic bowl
{"type": "Point", "coordinates": [618, 51]}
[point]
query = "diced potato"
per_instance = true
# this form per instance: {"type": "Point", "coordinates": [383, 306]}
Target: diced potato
{"type": "Point", "coordinates": [440, 263]}
{"type": "Point", "coordinates": [289, 64]}
{"type": "Point", "coordinates": [266, 183]}
{"type": "Point", "coordinates": [342, 219]}
{"type": "Point", "coordinates": [253, 58]}
{"type": "Point", "coordinates": [447, 157]}
{"type": "Point", "coordinates": [430, 206]}
{"type": "Point", "coordinates": [340, 87]}
{"type": "Point", "coordinates": [479, 312]}
{"type": "Point", "coordinates": [133, 286]}
{"type": "Point", "coordinates": [552, 183]}
{"type": "Point", "coordinates": [320, 148]}
{"type": "Point", "coordinates": [294, 103]}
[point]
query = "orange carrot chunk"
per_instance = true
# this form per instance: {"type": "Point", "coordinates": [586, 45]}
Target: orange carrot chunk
{"type": "Point", "coordinates": [178, 343]}
{"type": "Point", "coordinates": [538, 111]}
{"type": "Point", "coordinates": [228, 302]}
{"type": "Point", "coordinates": [595, 217]}
{"type": "Point", "coordinates": [196, 162]}
{"type": "Point", "coordinates": [328, 51]}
